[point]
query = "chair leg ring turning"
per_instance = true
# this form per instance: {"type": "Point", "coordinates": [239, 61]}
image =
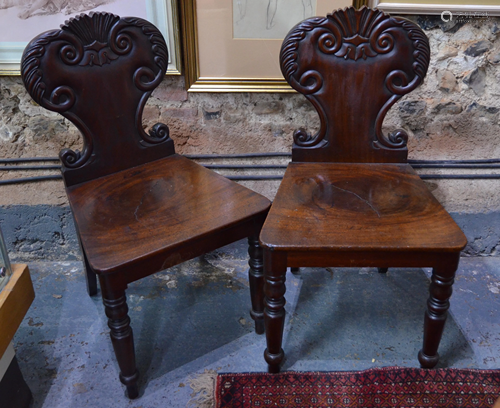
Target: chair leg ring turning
{"type": "Point", "coordinates": [274, 360]}
{"type": "Point", "coordinates": [427, 361]}
{"type": "Point", "coordinates": [131, 384]}
{"type": "Point", "coordinates": [258, 318]}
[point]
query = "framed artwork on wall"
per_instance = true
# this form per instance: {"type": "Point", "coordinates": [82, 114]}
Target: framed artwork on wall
{"type": "Point", "coordinates": [22, 20]}
{"type": "Point", "coordinates": [460, 9]}
{"type": "Point", "coordinates": [233, 45]}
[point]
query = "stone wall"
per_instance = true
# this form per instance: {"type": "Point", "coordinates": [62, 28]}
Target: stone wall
{"type": "Point", "coordinates": [453, 115]}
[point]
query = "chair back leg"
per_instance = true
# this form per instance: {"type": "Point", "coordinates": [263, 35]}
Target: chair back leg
{"type": "Point", "coordinates": [90, 276]}
{"type": "Point", "coordinates": [256, 280]}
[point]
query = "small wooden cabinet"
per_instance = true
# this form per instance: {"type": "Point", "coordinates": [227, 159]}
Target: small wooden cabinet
{"type": "Point", "coordinates": [15, 299]}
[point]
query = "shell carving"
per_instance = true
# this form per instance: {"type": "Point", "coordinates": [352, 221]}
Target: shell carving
{"type": "Point", "coordinates": [352, 34]}
{"type": "Point", "coordinates": [94, 39]}
{"type": "Point", "coordinates": [92, 31]}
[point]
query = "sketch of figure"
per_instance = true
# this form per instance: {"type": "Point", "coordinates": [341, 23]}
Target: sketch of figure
{"type": "Point", "coordinates": [271, 13]}
{"type": "Point", "coordinates": [308, 8]}
{"type": "Point", "coordinates": [242, 7]}
{"type": "Point", "coordinates": [272, 7]}
{"type": "Point", "coordinates": [30, 8]}
{"type": "Point", "coordinates": [269, 18]}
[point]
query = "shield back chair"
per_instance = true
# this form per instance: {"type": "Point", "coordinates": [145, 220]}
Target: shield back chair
{"type": "Point", "coordinates": [138, 207]}
{"type": "Point", "coordinates": [349, 198]}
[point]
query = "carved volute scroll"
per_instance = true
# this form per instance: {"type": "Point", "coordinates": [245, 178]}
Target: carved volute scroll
{"type": "Point", "coordinates": [98, 71]}
{"type": "Point", "coordinates": [353, 65]}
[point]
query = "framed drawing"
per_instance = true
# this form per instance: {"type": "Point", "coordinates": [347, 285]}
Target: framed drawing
{"type": "Point", "coordinates": [460, 9]}
{"type": "Point", "coordinates": [21, 20]}
{"type": "Point", "coordinates": [233, 45]}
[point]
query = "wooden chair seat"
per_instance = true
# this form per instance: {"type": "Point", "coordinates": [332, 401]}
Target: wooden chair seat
{"type": "Point", "coordinates": [346, 208]}
{"type": "Point", "coordinates": [159, 211]}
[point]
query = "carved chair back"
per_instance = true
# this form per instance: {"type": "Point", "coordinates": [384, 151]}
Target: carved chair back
{"type": "Point", "coordinates": [98, 70]}
{"type": "Point", "coordinates": [353, 65]}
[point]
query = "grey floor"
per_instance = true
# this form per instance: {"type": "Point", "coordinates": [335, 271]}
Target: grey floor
{"type": "Point", "coordinates": [194, 317]}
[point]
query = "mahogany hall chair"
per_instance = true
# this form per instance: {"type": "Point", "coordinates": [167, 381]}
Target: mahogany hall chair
{"type": "Point", "coordinates": [349, 198]}
{"type": "Point", "coordinates": [138, 207]}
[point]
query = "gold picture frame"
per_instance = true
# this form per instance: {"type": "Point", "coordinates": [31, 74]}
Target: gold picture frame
{"type": "Point", "coordinates": [195, 76]}
{"type": "Point", "coordinates": [13, 39]}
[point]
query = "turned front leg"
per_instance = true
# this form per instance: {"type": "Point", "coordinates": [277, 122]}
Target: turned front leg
{"type": "Point", "coordinates": [115, 304]}
{"type": "Point", "coordinates": [435, 316]}
{"type": "Point", "coordinates": [256, 280]}
{"type": "Point", "coordinates": [274, 310]}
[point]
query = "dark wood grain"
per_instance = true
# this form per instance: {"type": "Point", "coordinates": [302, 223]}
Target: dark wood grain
{"type": "Point", "coordinates": [370, 207]}
{"type": "Point", "coordinates": [348, 199]}
{"type": "Point", "coordinates": [100, 63]}
{"type": "Point", "coordinates": [139, 208]}
{"type": "Point", "coordinates": [342, 61]}
{"type": "Point", "coordinates": [151, 210]}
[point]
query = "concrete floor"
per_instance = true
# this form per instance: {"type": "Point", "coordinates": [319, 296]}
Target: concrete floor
{"type": "Point", "coordinates": [195, 317]}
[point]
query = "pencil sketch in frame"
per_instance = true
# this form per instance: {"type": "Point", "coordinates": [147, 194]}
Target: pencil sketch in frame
{"type": "Point", "coordinates": [22, 20]}
{"type": "Point", "coordinates": [216, 60]}
{"type": "Point", "coordinates": [461, 8]}
{"type": "Point", "coordinates": [269, 19]}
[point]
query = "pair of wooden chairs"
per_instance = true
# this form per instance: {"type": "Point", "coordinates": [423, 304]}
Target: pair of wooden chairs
{"type": "Point", "coordinates": [347, 199]}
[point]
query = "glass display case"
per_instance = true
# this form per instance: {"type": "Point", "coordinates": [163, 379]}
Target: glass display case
{"type": "Point", "coordinates": [5, 268]}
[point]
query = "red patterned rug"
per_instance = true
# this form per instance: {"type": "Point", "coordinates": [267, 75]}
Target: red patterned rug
{"type": "Point", "coordinates": [378, 387]}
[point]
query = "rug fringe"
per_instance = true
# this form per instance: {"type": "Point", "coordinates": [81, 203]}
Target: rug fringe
{"type": "Point", "coordinates": [203, 386]}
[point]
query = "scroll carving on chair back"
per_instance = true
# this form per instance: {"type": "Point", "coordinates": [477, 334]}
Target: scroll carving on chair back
{"type": "Point", "coordinates": [98, 70]}
{"type": "Point", "coordinates": [353, 65]}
